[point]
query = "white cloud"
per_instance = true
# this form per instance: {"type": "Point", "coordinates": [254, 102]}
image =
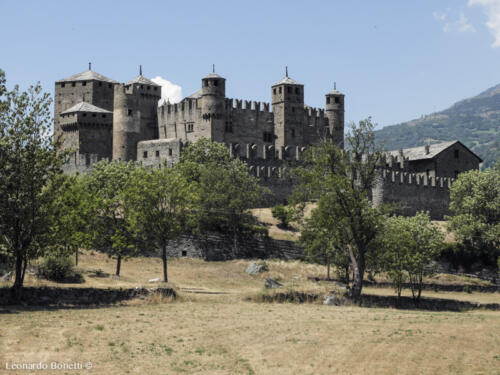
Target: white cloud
{"type": "Point", "coordinates": [453, 22]}
{"type": "Point", "coordinates": [169, 91]}
{"type": "Point", "coordinates": [492, 10]}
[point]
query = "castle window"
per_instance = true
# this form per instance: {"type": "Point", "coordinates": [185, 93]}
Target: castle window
{"type": "Point", "coordinates": [189, 128]}
{"type": "Point", "coordinates": [148, 87]}
{"type": "Point", "coordinates": [73, 84]}
{"type": "Point", "coordinates": [145, 154]}
{"type": "Point", "coordinates": [327, 100]}
{"type": "Point", "coordinates": [456, 154]}
{"type": "Point", "coordinates": [206, 83]}
{"type": "Point", "coordinates": [169, 152]}
{"type": "Point", "coordinates": [216, 83]}
{"type": "Point", "coordinates": [63, 84]}
{"type": "Point", "coordinates": [103, 116]}
{"type": "Point", "coordinates": [279, 89]}
{"type": "Point", "coordinates": [84, 83]}
{"type": "Point", "coordinates": [184, 253]}
{"type": "Point", "coordinates": [100, 84]}
{"type": "Point", "coordinates": [129, 112]}
{"type": "Point", "coordinates": [190, 104]}
{"type": "Point", "coordinates": [337, 99]}
{"type": "Point", "coordinates": [84, 115]}
{"type": "Point", "coordinates": [109, 85]}
{"type": "Point", "coordinates": [289, 90]}
{"type": "Point", "coordinates": [274, 91]}
{"type": "Point", "coordinates": [297, 91]}
{"type": "Point", "coordinates": [94, 115]}
{"type": "Point", "coordinates": [268, 137]}
{"type": "Point", "coordinates": [156, 88]}
{"type": "Point", "coordinates": [157, 154]}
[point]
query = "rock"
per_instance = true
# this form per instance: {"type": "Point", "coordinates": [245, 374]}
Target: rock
{"type": "Point", "coordinates": [254, 268]}
{"type": "Point", "coordinates": [272, 284]}
{"type": "Point", "coordinates": [7, 276]}
{"type": "Point", "coordinates": [154, 280]}
{"type": "Point", "coordinates": [332, 301]}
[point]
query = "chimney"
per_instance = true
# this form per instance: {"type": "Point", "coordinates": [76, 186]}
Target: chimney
{"type": "Point", "coordinates": [427, 149]}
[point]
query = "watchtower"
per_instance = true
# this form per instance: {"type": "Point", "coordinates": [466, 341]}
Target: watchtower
{"type": "Point", "coordinates": [213, 93]}
{"type": "Point", "coordinates": [335, 115]}
{"type": "Point", "coordinates": [135, 115]}
{"type": "Point", "coordinates": [89, 87]}
{"type": "Point", "coordinates": [288, 109]}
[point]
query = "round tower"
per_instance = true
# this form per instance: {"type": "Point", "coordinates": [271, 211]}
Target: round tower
{"type": "Point", "coordinates": [125, 127]}
{"type": "Point", "coordinates": [213, 93]}
{"type": "Point", "coordinates": [335, 116]}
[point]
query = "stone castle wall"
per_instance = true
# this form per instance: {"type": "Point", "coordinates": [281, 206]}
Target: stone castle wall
{"type": "Point", "coordinates": [410, 193]}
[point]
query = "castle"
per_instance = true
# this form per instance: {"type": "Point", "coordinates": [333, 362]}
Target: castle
{"type": "Point", "coordinates": [101, 118]}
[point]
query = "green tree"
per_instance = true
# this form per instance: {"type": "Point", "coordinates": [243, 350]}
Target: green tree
{"type": "Point", "coordinates": [344, 179]}
{"type": "Point", "coordinates": [475, 211]}
{"type": "Point", "coordinates": [321, 240]}
{"type": "Point", "coordinates": [110, 231]}
{"type": "Point", "coordinates": [71, 228]}
{"type": "Point", "coordinates": [281, 213]}
{"type": "Point", "coordinates": [28, 161]}
{"type": "Point", "coordinates": [161, 205]}
{"type": "Point", "coordinates": [411, 244]}
{"type": "Point", "coordinates": [225, 188]}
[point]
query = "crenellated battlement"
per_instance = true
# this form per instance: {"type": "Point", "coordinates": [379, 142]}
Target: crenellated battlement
{"type": "Point", "coordinates": [246, 105]}
{"type": "Point", "coordinates": [314, 112]}
{"type": "Point", "coordinates": [414, 179]}
{"type": "Point", "coordinates": [252, 152]}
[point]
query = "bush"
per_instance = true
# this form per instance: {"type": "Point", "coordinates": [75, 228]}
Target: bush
{"type": "Point", "coordinates": [281, 213]}
{"type": "Point", "coordinates": [59, 269]}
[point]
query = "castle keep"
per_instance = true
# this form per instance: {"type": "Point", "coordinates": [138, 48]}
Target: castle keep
{"type": "Point", "coordinates": [101, 118]}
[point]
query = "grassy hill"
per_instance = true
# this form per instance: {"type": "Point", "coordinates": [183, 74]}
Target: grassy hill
{"type": "Point", "coordinates": [474, 121]}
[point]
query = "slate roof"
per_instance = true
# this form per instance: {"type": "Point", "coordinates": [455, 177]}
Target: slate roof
{"type": "Point", "coordinates": [419, 153]}
{"type": "Point", "coordinates": [87, 75]}
{"type": "Point", "coordinates": [335, 92]}
{"type": "Point", "coordinates": [288, 81]}
{"type": "Point", "coordinates": [195, 95]}
{"type": "Point", "coordinates": [143, 81]}
{"type": "Point", "coordinates": [214, 75]}
{"type": "Point", "coordinates": [85, 107]}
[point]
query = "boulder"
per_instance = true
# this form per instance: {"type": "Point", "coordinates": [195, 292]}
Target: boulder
{"type": "Point", "coordinates": [254, 268]}
{"type": "Point", "coordinates": [272, 284]}
{"type": "Point", "coordinates": [332, 301]}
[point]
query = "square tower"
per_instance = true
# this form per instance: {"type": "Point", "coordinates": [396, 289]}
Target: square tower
{"type": "Point", "coordinates": [288, 109]}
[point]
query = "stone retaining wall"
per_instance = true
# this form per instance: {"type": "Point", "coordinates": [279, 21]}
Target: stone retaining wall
{"type": "Point", "coordinates": [47, 296]}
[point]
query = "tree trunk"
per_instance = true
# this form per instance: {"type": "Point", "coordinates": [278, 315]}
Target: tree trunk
{"type": "Point", "coordinates": [18, 281]}
{"type": "Point", "coordinates": [358, 267]}
{"type": "Point", "coordinates": [328, 267]}
{"type": "Point", "coordinates": [118, 265]}
{"type": "Point", "coordinates": [164, 258]}
{"type": "Point", "coordinates": [25, 264]}
{"type": "Point", "coordinates": [76, 256]}
{"type": "Point", "coordinates": [347, 272]}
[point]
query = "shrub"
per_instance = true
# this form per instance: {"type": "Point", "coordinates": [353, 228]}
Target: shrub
{"type": "Point", "coordinates": [59, 269]}
{"type": "Point", "coordinates": [281, 213]}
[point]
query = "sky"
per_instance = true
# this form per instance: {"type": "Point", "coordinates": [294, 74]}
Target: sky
{"type": "Point", "coordinates": [395, 60]}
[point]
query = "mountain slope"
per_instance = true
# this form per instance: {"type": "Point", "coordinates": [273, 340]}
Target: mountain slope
{"type": "Point", "coordinates": [474, 121]}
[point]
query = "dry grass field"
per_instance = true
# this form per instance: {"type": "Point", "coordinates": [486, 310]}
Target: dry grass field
{"type": "Point", "coordinates": [224, 333]}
